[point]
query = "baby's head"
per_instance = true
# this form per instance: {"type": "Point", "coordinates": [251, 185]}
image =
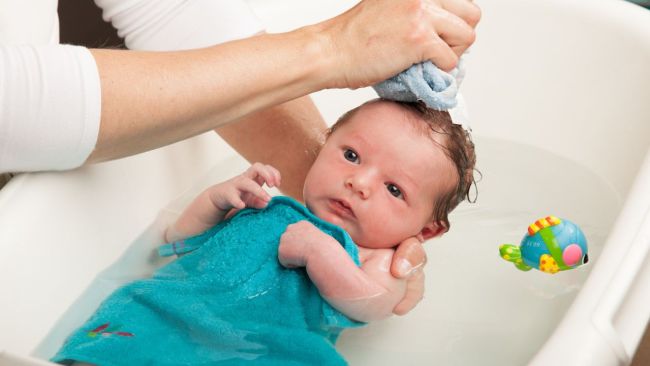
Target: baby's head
{"type": "Point", "coordinates": [389, 171]}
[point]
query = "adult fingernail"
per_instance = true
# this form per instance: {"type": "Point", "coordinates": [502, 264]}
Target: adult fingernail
{"type": "Point", "coordinates": [405, 268]}
{"type": "Point", "coordinates": [416, 269]}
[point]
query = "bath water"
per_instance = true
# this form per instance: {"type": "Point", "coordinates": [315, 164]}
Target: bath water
{"type": "Point", "coordinates": [479, 309]}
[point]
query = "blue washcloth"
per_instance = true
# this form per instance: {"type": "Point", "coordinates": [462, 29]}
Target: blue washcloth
{"type": "Point", "coordinates": [424, 82]}
{"type": "Point", "coordinates": [226, 301]}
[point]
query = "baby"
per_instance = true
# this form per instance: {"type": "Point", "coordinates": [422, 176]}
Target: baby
{"type": "Point", "coordinates": [387, 171]}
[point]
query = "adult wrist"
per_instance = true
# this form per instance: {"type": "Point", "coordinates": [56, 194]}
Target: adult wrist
{"type": "Point", "coordinates": [320, 57]}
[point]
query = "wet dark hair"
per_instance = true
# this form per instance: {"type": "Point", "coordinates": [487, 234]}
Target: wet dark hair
{"type": "Point", "coordinates": [453, 139]}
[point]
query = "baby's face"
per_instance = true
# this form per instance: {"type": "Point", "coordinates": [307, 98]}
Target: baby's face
{"type": "Point", "coordinates": [377, 177]}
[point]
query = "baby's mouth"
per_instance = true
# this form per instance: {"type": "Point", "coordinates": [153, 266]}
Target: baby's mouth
{"type": "Point", "coordinates": [342, 208]}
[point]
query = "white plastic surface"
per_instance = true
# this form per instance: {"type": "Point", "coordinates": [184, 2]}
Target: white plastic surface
{"type": "Point", "coordinates": [566, 77]}
{"type": "Point", "coordinates": [58, 231]}
{"type": "Point", "coordinates": [609, 316]}
{"type": "Point", "coordinates": [29, 22]}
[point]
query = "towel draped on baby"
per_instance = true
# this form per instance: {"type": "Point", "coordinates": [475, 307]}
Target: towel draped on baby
{"type": "Point", "coordinates": [226, 300]}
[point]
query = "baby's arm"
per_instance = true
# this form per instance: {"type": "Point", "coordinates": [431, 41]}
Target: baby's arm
{"type": "Point", "coordinates": [365, 294]}
{"type": "Point", "coordinates": [212, 205]}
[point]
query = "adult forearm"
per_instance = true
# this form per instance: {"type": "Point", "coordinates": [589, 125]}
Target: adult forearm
{"type": "Point", "coordinates": [287, 136]}
{"type": "Point", "coordinates": [153, 99]}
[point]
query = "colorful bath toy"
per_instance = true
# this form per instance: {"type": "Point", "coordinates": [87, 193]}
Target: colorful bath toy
{"type": "Point", "coordinates": [551, 245]}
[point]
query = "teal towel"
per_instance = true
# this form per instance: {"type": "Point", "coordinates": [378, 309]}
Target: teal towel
{"type": "Point", "coordinates": [226, 301]}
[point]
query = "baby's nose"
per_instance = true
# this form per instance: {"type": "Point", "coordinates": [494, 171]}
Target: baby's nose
{"type": "Point", "coordinates": [359, 186]}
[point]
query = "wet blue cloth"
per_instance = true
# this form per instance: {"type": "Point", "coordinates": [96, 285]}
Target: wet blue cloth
{"type": "Point", "coordinates": [423, 82]}
{"type": "Point", "coordinates": [225, 302]}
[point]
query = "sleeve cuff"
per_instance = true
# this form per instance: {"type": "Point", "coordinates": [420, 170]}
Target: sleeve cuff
{"type": "Point", "coordinates": [51, 105]}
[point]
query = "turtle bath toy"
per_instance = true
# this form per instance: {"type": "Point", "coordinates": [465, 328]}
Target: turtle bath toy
{"type": "Point", "coordinates": [551, 245]}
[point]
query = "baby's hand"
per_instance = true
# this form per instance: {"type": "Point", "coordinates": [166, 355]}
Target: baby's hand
{"type": "Point", "coordinates": [246, 190]}
{"type": "Point", "coordinates": [296, 243]}
{"type": "Point", "coordinates": [213, 204]}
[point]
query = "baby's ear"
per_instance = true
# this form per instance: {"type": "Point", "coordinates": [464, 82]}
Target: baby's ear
{"type": "Point", "coordinates": [432, 230]}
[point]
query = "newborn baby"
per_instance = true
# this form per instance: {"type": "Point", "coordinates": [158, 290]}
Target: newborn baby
{"type": "Point", "coordinates": [275, 282]}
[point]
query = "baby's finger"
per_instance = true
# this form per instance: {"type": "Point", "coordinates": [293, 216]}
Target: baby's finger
{"type": "Point", "coordinates": [266, 172]}
{"type": "Point", "coordinates": [251, 187]}
{"type": "Point", "coordinates": [271, 176]}
{"type": "Point", "coordinates": [261, 174]}
{"type": "Point", "coordinates": [253, 201]}
{"type": "Point", "coordinates": [277, 177]}
{"type": "Point", "coordinates": [234, 199]}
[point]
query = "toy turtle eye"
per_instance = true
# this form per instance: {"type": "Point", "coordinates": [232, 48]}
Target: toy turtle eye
{"type": "Point", "coordinates": [585, 259]}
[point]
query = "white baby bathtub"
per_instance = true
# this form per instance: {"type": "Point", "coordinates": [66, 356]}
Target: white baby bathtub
{"type": "Point", "coordinates": [558, 95]}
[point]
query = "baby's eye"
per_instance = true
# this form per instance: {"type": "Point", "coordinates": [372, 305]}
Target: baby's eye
{"type": "Point", "coordinates": [394, 190]}
{"type": "Point", "coordinates": [351, 155]}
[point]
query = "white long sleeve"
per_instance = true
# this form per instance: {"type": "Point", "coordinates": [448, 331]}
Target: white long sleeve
{"type": "Point", "coordinates": [50, 105]}
{"type": "Point", "coordinates": [50, 96]}
{"type": "Point", "coordinates": [163, 25]}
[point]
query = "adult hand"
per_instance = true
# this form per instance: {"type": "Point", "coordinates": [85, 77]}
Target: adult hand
{"type": "Point", "coordinates": [408, 262]}
{"type": "Point", "coordinates": [206, 88]}
{"type": "Point", "coordinates": [376, 39]}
